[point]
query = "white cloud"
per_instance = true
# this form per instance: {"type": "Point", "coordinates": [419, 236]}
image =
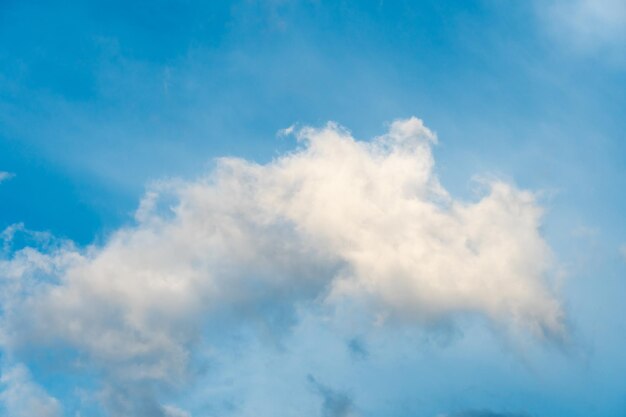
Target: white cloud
{"type": "Point", "coordinates": [286, 131]}
{"type": "Point", "coordinates": [336, 219]}
{"type": "Point", "coordinates": [171, 411]}
{"type": "Point", "coordinates": [622, 250]}
{"type": "Point", "coordinates": [5, 176]}
{"type": "Point", "coordinates": [21, 397]}
{"type": "Point", "coordinates": [588, 25]}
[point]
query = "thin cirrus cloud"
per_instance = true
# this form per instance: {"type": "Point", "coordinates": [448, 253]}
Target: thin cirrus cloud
{"type": "Point", "coordinates": [337, 219]}
{"type": "Point", "coordinates": [5, 176]}
{"type": "Point", "coordinates": [588, 25]}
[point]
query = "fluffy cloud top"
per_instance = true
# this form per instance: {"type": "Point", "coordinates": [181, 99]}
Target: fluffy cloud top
{"type": "Point", "coordinates": [333, 220]}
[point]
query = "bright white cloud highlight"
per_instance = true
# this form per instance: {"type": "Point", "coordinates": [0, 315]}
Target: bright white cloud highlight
{"type": "Point", "coordinates": [336, 219]}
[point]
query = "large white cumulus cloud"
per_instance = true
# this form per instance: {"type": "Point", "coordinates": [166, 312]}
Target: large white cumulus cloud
{"type": "Point", "coordinates": [336, 219]}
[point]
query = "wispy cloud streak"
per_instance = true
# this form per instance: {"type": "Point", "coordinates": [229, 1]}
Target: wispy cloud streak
{"type": "Point", "coordinates": [5, 176]}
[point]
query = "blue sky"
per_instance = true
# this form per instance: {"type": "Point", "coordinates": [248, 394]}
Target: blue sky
{"type": "Point", "coordinates": [113, 117]}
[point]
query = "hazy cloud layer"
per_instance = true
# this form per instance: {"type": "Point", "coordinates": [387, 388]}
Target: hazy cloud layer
{"type": "Point", "coordinates": [484, 413]}
{"type": "Point", "coordinates": [5, 176]}
{"type": "Point", "coordinates": [334, 403]}
{"type": "Point", "coordinates": [333, 220]}
{"type": "Point", "coordinates": [20, 397]}
{"type": "Point", "coordinates": [588, 25]}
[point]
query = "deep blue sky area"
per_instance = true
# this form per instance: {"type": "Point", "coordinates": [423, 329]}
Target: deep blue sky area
{"type": "Point", "coordinates": [98, 100]}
